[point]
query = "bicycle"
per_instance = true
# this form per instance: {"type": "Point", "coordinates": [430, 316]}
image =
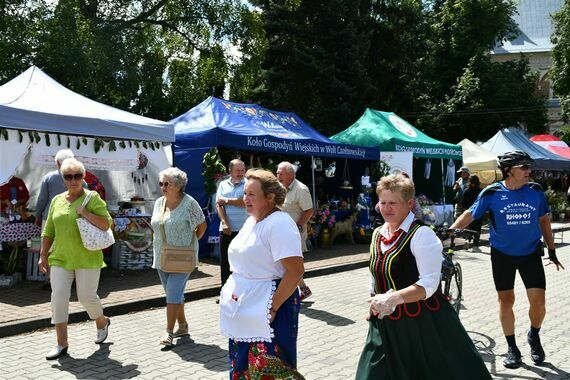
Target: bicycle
{"type": "Point", "coordinates": [451, 274]}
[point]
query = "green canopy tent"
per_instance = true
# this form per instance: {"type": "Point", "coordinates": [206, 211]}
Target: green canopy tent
{"type": "Point", "coordinates": [389, 132]}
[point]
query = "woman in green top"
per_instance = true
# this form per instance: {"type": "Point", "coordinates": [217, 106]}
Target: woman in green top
{"type": "Point", "coordinates": [69, 260]}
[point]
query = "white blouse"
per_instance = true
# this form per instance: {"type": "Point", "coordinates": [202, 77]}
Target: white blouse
{"type": "Point", "coordinates": [426, 248]}
{"type": "Point", "coordinates": [257, 249]}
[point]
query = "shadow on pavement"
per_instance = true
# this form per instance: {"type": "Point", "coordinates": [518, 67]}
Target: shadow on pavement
{"type": "Point", "coordinates": [325, 316]}
{"type": "Point", "coordinates": [211, 356]}
{"type": "Point", "coordinates": [97, 363]}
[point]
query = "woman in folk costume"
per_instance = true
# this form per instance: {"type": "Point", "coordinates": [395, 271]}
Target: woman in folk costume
{"type": "Point", "coordinates": [259, 303]}
{"type": "Point", "coordinates": [413, 332]}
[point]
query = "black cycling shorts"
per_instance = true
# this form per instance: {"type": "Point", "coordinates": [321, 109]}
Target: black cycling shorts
{"type": "Point", "coordinates": [505, 267]}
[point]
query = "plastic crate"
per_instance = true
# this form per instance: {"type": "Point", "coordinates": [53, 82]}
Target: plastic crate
{"type": "Point", "coordinates": [32, 270]}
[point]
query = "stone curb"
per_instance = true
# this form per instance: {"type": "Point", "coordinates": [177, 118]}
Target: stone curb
{"type": "Point", "coordinates": [29, 325]}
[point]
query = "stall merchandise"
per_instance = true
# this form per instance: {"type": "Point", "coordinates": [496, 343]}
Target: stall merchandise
{"type": "Point", "coordinates": [510, 139]}
{"type": "Point", "coordinates": [391, 133]}
{"type": "Point", "coordinates": [39, 117]}
{"type": "Point", "coordinates": [250, 127]}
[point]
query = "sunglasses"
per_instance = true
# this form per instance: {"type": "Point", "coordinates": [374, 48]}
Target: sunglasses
{"type": "Point", "coordinates": [161, 184]}
{"type": "Point", "coordinates": [76, 176]}
{"type": "Point", "coordinates": [523, 167]}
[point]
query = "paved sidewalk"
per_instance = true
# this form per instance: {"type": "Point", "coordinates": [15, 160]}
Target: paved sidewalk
{"type": "Point", "coordinates": [26, 306]}
{"type": "Point", "coordinates": [331, 335]}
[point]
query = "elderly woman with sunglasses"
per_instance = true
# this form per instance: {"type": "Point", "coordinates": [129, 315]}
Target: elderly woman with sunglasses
{"type": "Point", "coordinates": [184, 224]}
{"type": "Point", "coordinates": [69, 260]}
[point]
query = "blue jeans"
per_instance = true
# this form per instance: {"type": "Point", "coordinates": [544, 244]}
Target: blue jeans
{"type": "Point", "coordinates": [174, 285]}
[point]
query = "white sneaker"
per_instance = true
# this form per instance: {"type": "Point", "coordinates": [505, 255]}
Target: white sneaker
{"type": "Point", "coordinates": [103, 333]}
{"type": "Point", "coordinates": [56, 352]}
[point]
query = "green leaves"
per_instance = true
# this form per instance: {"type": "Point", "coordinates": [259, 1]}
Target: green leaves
{"type": "Point", "coordinates": [560, 71]}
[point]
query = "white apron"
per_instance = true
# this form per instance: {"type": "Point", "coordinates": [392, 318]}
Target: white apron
{"type": "Point", "coordinates": [244, 309]}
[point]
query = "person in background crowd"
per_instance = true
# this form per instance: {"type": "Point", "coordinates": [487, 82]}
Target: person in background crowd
{"type": "Point", "coordinates": [52, 185]}
{"type": "Point", "coordinates": [183, 219]}
{"type": "Point", "coordinates": [94, 184]}
{"type": "Point", "coordinates": [231, 210]}
{"type": "Point", "coordinates": [413, 333]}
{"type": "Point", "coordinates": [69, 259]}
{"type": "Point", "coordinates": [518, 218]}
{"type": "Point", "coordinates": [13, 195]}
{"type": "Point", "coordinates": [259, 304]}
{"type": "Point", "coordinates": [299, 205]}
{"type": "Point", "coordinates": [459, 188]}
{"type": "Point", "coordinates": [469, 198]}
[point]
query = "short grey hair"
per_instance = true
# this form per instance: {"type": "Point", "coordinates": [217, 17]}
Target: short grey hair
{"type": "Point", "coordinates": [289, 167]}
{"type": "Point", "coordinates": [71, 164]}
{"type": "Point", "coordinates": [178, 177]}
{"type": "Point", "coordinates": [234, 162]}
{"type": "Point", "coordinates": [62, 155]}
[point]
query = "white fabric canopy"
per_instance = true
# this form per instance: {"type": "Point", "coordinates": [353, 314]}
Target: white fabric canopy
{"type": "Point", "coordinates": [12, 152]}
{"type": "Point", "coordinates": [34, 101]}
{"type": "Point", "coordinates": [476, 158]}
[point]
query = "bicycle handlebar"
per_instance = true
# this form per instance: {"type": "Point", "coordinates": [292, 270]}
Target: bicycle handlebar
{"type": "Point", "coordinates": [443, 233]}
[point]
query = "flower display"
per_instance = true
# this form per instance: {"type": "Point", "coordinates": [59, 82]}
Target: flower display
{"type": "Point", "coordinates": [324, 218]}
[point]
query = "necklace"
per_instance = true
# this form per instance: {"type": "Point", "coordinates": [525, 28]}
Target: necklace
{"type": "Point", "coordinates": [392, 238]}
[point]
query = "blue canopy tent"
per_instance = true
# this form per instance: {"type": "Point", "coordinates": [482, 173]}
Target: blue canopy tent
{"type": "Point", "coordinates": [216, 122]}
{"type": "Point", "coordinates": [510, 139]}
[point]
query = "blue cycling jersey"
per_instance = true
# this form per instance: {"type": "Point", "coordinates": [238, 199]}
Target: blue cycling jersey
{"type": "Point", "coordinates": [514, 214]}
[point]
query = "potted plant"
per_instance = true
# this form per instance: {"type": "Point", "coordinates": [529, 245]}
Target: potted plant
{"type": "Point", "coordinates": [562, 206]}
{"type": "Point", "coordinates": [8, 266]}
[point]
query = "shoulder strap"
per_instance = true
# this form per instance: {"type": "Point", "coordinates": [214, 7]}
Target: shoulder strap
{"type": "Point", "coordinates": [163, 231]}
{"type": "Point", "coordinates": [87, 198]}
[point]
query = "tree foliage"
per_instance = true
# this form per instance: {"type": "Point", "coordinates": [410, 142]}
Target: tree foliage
{"type": "Point", "coordinates": [326, 60]}
{"type": "Point", "coordinates": [153, 57]}
{"type": "Point", "coordinates": [491, 95]}
{"type": "Point", "coordinates": [560, 71]}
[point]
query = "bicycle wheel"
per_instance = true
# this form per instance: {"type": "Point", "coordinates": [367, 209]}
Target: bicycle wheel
{"type": "Point", "coordinates": [454, 287]}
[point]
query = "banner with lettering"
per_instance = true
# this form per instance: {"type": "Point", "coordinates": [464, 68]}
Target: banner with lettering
{"type": "Point", "coordinates": [216, 122]}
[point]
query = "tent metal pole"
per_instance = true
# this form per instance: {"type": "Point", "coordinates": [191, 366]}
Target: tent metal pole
{"type": "Point", "coordinates": [315, 206]}
{"type": "Point", "coordinates": [442, 183]}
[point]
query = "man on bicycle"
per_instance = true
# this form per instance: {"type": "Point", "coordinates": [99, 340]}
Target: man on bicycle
{"type": "Point", "coordinates": [518, 217]}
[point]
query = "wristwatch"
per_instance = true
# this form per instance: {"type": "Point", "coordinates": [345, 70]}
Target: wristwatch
{"type": "Point", "coordinates": [226, 200]}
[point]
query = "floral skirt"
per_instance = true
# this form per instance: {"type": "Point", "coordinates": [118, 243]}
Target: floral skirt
{"type": "Point", "coordinates": [275, 360]}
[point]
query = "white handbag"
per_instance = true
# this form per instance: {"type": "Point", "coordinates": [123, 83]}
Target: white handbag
{"type": "Point", "coordinates": [93, 237]}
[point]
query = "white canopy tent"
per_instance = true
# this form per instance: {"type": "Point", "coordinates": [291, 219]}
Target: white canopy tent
{"type": "Point", "coordinates": [480, 161]}
{"type": "Point", "coordinates": [34, 101]}
{"type": "Point", "coordinates": [35, 107]}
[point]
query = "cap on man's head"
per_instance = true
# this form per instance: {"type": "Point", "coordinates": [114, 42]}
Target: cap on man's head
{"type": "Point", "coordinates": [463, 169]}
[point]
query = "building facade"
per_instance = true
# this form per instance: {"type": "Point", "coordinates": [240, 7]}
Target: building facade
{"type": "Point", "coordinates": [534, 19]}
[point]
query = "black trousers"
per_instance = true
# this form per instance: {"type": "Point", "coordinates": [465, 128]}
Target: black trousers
{"type": "Point", "coordinates": [225, 241]}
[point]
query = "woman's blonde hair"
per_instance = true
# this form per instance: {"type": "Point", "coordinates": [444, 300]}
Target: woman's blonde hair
{"type": "Point", "coordinates": [269, 184]}
{"type": "Point", "coordinates": [397, 183]}
{"type": "Point", "coordinates": [71, 164]}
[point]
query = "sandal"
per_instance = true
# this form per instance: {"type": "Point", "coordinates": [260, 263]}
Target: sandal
{"type": "Point", "coordinates": [167, 339]}
{"type": "Point", "coordinates": [181, 330]}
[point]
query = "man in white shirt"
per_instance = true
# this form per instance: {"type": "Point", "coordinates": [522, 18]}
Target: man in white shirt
{"type": "Point", "coordinates": [231, 210]}
{"type": "Point", "coordinates": [299, 205]}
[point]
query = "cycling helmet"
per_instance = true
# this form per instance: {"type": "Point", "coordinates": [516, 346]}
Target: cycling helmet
{"type": "Point", "coordinates": [515, 158]}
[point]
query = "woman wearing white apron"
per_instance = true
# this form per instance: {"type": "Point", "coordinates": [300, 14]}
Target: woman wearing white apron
{"type": "Point", "coordinates": [259, 304]}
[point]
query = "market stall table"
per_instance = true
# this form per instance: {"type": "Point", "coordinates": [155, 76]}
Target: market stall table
{"type": "Point", "coordinates": [133, 248]}
{"type": "Point", "coordinates": [18, 231]}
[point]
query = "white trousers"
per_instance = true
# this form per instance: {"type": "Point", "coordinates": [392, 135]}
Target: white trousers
{"type": "Point", "coordinates": [86, 284]}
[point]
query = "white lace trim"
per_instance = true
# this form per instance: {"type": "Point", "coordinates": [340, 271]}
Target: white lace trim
{"type": "Point", "coordinates": [258, 338]}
